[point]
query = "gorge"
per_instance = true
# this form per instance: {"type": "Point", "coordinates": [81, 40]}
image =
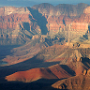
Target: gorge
{"type": "Point", "coordinates": [45, 47]}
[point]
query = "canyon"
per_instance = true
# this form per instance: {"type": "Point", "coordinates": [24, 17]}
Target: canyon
{"type": "Point", "coordinates": [45, 47]}
{"type": "Point", "coordinates": [24, 22]}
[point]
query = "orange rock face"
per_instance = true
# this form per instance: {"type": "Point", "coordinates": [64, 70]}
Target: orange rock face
{"type": "Point", "coordinates": [59, 72]}
{"type": "Point", "coordinates": [55, 23]}
{"type": "Point", "coordinates": [76, 24]}
{"type": "Point", "coordinates": [58, 17]}
{"type": "Point", "coordinates": [79, 27]}
{"type": "Point", "coordinates": [11, 21]}
{"type": "Point", "coordinates": [74, 83]}
{"type": "Point", "coordinates": [30, 75]}
{"type": "Point", "coordinates": [87, 10]}
{"type": "Point", "coordinates": [10, 17]}
{"type": "Point", "coordinates": [54, 72]}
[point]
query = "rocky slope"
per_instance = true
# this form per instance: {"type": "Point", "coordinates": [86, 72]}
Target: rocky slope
{"type": "Point", "coordinates": [53, 72]}
{"type": "Point", "coordinates": [56, 44]}
{"type": "Point", "coordinates": [54, 53]}
{"type": "Point", "coordinates": [72, 62]}
{"type": "Point", "coordinates": [73, 83]}
{"type": "Point", "coordinates": [63, 52]}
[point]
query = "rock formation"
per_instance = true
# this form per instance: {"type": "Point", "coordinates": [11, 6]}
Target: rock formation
{"type": "Point", "coordinates": [80, 82]}
{"type": "Point", "coordinates": [57, 19]}
{"type": "Point", "coordinates": [61, 9]}
{"type": "Point", "coordinates": [12, 21]}
{"type": "Point", "coordinates": [30, 75]}
{"type": "Point", "coordinates": [62, 15]}
{"type": "Point", "coordinates": [84, 72]}
{"type": "Point", "coordinates": [53, 72]}
{"type": "Point", "coordinates": [88, 72]}
{"type": "Point", "coordinates": [53, 49]}
{"type": "Point", "coordinates": [73, 83]}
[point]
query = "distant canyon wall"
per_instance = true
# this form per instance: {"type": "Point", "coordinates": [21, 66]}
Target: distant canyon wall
{"type": "Point", "coordinates": [25, 22]}
{"type": "Point", "coordinates": [58, 17]}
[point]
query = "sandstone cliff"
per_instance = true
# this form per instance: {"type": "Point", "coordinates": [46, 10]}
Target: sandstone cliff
{"type": "Point", "coordinates": [56, 19]}
{"type": "Point", "coordinates": [61, 9]}
{"type": "Point", "coordinates": [61, 16]}
{"type": "Point", "coordinates": [16, 23]}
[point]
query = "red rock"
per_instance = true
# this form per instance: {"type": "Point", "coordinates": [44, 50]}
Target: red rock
{"type": "Point", "coordinates": [59, 72]}
{"type": "Point", "coordinates": [53, 72]}
{"type": "Point", "coordinates": [30, 75]}
{"type": "Point", "coordinates": [55, 23]}
{"type": "Point", "coordinates": [79, 26]}
{"type": "Point", "coordinates": [11, 21]}
{"type": "Point", "coordinates": [74, 83]}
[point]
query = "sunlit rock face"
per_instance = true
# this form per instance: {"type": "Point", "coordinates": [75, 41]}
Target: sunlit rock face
{"type": "Point", "coordinates": [87, 10]}
{"type": "Point", "coordinates": [53, 72]}
{"type": "Point", "coordinates": [62, 16]}
{"type": "Point", "coordinates": [11, 21]}
{"type": "Point", "coordinates": [46, 19]}
{"type": "Point", "coordinates": [80, 28]}
{"type": "Point", "coordinates": [16, 25]}
{"type": "Point", "coordinates": [74, 83]}
{"type": "Point", "coordinates": [10, 17]}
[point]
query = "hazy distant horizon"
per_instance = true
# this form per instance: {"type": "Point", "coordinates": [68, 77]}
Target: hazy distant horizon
{"type": "Point", "coordinates": [35, 2]}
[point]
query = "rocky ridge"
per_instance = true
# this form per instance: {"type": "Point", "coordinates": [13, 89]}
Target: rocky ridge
{"type": "Point", "coordinates": [53, 72]}
{"type": "Point", "coordinates": [74, 83]}
{"type": "Point", "coordinates": [15, 25]}
{"type": "Point", "coordinates": [56, 19]}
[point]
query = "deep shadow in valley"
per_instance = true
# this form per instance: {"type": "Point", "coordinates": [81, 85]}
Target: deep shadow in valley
{"type": "Point", "coordinates": [42, 84]}
{"type": "Point", "coordinates": [41, 20]}
{"type": "Point", "coordinates": [69, 70]}
{"type": "Point", "coordinates": [26, 26]}
{"type": "Point", "coordinates": [26, 65]}
{"type": "Point", "coordinates": [6, 50]}
{"type": "Point", "coordinates": [86, 61]}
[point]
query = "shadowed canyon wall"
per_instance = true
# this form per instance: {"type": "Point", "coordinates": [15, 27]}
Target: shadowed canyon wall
{"type": "Point", "coordinates": [46, 19]}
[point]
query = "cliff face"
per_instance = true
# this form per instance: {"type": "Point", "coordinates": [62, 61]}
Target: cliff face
{"type": "Point", "coordinates": [11, 10]}
{"type": "Point", "coordinates": [36, 57]}
{"type": "Point", "coordinates": [11, 17]}
{"type": "Point", "coordinates": [65, 18]}
{"type": "Point", "coordinates": [16, 25]}
{"type": "Point", "coordinates": [70, 64]}
{"type": "Point", "coordinates": [11, 21]}
{"type": "Point", "coordinates": [61, 9]}
{"type": "Point", "coordinates": [62, 18]}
